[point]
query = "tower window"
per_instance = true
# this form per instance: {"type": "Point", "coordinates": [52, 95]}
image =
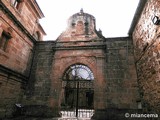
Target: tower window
{"type": "Point", "coordinates": [73, 24]}
{"type": "Point", "coordinates": [16, 3]}
{"type": "Point", "coordinates": [86, 24]}
{"type": "Point", "coordinates": [4, 40]}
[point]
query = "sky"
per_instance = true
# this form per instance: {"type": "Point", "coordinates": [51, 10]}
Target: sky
{"type": "Point", "coordinates": [113, 17]}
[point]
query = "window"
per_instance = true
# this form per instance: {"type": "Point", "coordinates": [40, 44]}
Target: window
{"type": "Point", "coordinates": [16, 3]}
{"type": "Point", "coordinates": [73, 24]}
{"type": "Point", "coordinates": [4, 40]}
{"type": "Point", "coordinates": [37, 35]}
{"type": "Point", "coordinates": [80, 27]}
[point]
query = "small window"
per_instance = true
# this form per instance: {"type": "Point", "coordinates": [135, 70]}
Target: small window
{"type": "Point", "coordinates": [86, 24]}
{"type": "Point", "coordinates": [4, 40]}
{"type": "Point", "coordinates": [16, 3]}
{"type": "Point", "coordinates": [73, 24]}
{"type": "Point", "coordinates": [37, 35]}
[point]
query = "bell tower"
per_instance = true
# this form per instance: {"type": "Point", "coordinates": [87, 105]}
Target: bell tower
{"type": "Point", "coordinates": [81, 26]}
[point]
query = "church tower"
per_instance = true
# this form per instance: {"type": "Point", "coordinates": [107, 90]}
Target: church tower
{"type": "Point", "coordinates": [81, 26]}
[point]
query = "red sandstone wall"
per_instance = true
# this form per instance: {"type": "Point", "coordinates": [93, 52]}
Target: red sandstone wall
{"type": "Point", "coordinates": [15, 59]}
{"type": "Point", "coordinates": [28, 16]}
{"type": "Point", "coordinates": [94, 59]}
{"type": "Point", "coordinates": [121, 77]}
{"type": "Point", "coordinates": [19, 48]}
{"type": "Point", "coordinates": [147, 53]}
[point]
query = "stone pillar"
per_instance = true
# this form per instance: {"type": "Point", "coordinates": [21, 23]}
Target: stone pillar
{"type": "Point", "coordinates": [99, 88]}
{"type": "Point", "coordinates": [55, 97]}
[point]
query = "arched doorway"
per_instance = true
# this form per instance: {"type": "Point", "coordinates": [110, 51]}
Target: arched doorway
{"type": "Point", "coordinates": [78, 91]}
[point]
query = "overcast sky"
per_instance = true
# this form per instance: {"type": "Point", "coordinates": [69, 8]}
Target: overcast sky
{"type": "Point", "coordinates": [113, 17]}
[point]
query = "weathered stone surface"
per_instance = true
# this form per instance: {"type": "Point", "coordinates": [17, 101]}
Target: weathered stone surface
{"type": "Point", "coordinates": [81, 27]}
{"type": "Point", "coordinates": [40, 81]}
{"type": "Point", "coordinates": [18, 22]}
{"type": "Point", "coordinates": [121, 85]}
{"type": "Point", "coordinates": [146, 43]}
{"type": "Point", "coordinates": [112, 61]}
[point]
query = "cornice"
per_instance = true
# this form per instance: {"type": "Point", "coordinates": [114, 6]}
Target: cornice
{"type": "Point", "coordinates": [12, 74]}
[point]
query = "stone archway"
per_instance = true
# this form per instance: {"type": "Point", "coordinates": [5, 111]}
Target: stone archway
{"type": "Point", "coordinates": [60, 67]}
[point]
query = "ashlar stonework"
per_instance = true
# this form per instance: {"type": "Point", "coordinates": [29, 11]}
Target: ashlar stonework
{"type": "Point", "coordinates": [43, 78]}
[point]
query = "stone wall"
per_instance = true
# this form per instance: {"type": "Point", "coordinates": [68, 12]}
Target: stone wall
{"type": "Point", "coordinates": [50, 61]}
{"type": "Point", "coordinates": [111, 61]}
{"type": "Point", "coordinates": [28, 14]}
{"type": "Point", "coordinates": [39, 85]}
{"type": "Point", "coordinates": [18, 51]}
{"type": "Point", "coordinates": [121, 78]}
{"type": "Point", "coordinates": [11, 91]}
{"type": "Point", "coordinates": [121, 88]}
{"type": "Point", "coordinates": [14, 65]}
{"type": "Point", "coordinates": [146, 47]}
{"type": "Point", "coordinates": [16, 56]}
{"type": "Point", "coordinates": [88, 53]}
{"type": "Point", "coordinates": [39, 81]}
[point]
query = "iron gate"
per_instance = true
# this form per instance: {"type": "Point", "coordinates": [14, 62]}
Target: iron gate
{"type": "Point", "coordinates": [78, 99]}
{"type": "Point", "coordinates": [78, 93]}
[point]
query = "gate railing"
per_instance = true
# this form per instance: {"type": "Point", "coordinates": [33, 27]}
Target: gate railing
{"type": "Point", "coordinates": [82, 113]}
{"type": "Point", "coordinates": [83, 84]}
